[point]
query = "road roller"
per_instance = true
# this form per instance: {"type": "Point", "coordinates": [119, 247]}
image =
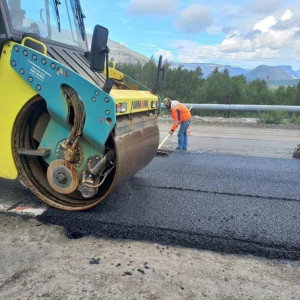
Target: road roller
{"type": "Point", "coordinates": [73, 127]}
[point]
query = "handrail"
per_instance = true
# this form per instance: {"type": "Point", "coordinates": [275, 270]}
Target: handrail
{"type": "Point", "coordinates": [242, 107]}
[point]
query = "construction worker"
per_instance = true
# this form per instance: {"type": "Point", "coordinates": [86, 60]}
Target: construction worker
{"type": "Point", "coordinates": [181, 116]}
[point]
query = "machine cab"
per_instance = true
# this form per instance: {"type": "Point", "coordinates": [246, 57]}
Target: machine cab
{"type": "Point", "coordinates": [52, 21]}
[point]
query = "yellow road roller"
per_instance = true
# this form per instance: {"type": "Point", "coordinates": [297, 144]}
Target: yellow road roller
{"type": "Point", "coordinates": [72, 126]}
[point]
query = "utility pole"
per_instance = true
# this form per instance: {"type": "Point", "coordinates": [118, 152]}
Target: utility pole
{"type": "Point", "coordinates": [268, 77]}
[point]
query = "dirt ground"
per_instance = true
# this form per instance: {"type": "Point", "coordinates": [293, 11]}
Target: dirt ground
{"type": "Point", "coordinates": [40, 262]}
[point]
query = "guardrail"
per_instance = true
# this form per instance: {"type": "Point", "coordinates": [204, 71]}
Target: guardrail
{"type": "Point", "coordinates": [241, 107]}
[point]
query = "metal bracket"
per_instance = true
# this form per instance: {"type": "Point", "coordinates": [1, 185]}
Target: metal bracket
{"type": "Point", "coordinates": [39, 152]}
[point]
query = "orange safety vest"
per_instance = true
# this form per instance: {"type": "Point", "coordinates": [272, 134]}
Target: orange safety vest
{"type": "Point", "coordinates": [179, 114]}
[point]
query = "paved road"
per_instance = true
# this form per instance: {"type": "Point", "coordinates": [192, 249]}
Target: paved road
{"type": "Point", "coordinates": [226, 203]}
{"type": "Point", "coordinates": [241, 140]}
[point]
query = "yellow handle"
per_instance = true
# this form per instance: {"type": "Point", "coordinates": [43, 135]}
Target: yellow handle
{"type": "Point", "coordinates": [35, 41]}
{"type": "Point", "coordinates": [164, 140]}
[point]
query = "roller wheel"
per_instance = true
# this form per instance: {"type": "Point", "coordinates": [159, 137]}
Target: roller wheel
{"type": "Point", "coordinates": [33, 169]}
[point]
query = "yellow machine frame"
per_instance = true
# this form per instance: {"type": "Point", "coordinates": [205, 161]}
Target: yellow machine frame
{"type": "Point", "coordinates": [16, 92]}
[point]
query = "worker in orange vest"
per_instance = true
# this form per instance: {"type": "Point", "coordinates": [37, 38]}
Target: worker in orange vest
{"type": "Point", "coordinates": [181, 116]}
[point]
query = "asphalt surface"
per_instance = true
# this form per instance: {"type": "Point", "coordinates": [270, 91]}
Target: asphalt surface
{"type": "Point", "coordinates": [226, 203]}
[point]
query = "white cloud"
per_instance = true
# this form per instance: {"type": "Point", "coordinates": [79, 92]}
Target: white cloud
{"type": "Point", "coordinates": [194, 19]}
{"type": "Point", "coordinates": [207, 53]}
{"type": "Point", "coordinates": [167, 55]}
{"type": "Point", "coordinates": [264, 6]}
{"type": "Point", "coordinates": [265, 24]}
{"type": "Point", "coordinates": [231, 43]}
{"type": "Point", "coordinates": [267, 41]}
{"type": "Point", "coordinates": [189, 51]}
{"type": "Point", "coordinates": [229, 11]}
{"type": "Point", "coordinates": [215, 30]}
{"type": "Point", "coordinates": [249, 40]}
{"type": "Point", "coordinates": [287, 15]}
{"type": "Point", "coordinates": [137, 7]}
{"type": "Point", "coordinates": [263, 39]}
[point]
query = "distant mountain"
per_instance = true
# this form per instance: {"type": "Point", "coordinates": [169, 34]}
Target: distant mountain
{"type": "Point", "coordinates": [275, 75]}
{"type": "Point", "coordinates": [121, 54]}
{"type": "Point", "coordinates": [208, 68]}
{"type": "Point", "coordinates": [288, 69]}
{"type": "Point", "coordinates": [269, 74]}
{"type": "Point", "coordinates": [278, 75]}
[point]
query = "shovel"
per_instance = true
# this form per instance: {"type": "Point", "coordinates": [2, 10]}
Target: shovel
{"type": "Point", "coordinates": [163, 153]}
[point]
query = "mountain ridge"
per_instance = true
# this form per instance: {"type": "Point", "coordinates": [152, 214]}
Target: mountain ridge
{"type": "Point", "coordinates": [271, 74]}
{"type": "Point", "coordinates": [262, 72]}
{"type": "Point", "coordinates": [121, 54]}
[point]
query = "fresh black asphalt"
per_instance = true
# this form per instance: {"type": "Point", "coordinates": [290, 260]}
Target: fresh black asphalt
{"type": "Point", "coordinates": [226, 203]}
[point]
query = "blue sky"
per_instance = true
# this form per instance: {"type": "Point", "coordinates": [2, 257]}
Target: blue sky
{"type": "Point", "coordinates": [240, 33]}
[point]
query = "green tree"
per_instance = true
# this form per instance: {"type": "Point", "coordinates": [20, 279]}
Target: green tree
{"type": "Point", "coordinates": [280, 96]}
{"type": "Point", "coordinates": [190, 86]}
{"type": "Point", "coordinates": [218, 87]}
{"type": "Point", "coordinates": [182, 84]}
{"type": "Point", "coordinates": [259, 93]}
{"type": "Point", "coordinates": [297, 99]}
{"type": "Point", "coordinates": [238, 93]}
{"type": "Point", "coordinates": [291, 93]}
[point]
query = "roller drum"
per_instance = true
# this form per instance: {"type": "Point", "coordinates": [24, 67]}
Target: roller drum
{"type": "Point", "coordinates": [54, 183]}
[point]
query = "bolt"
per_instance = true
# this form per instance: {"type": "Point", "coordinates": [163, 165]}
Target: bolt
{"type": "Point", "coordinates": [61, 178]}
